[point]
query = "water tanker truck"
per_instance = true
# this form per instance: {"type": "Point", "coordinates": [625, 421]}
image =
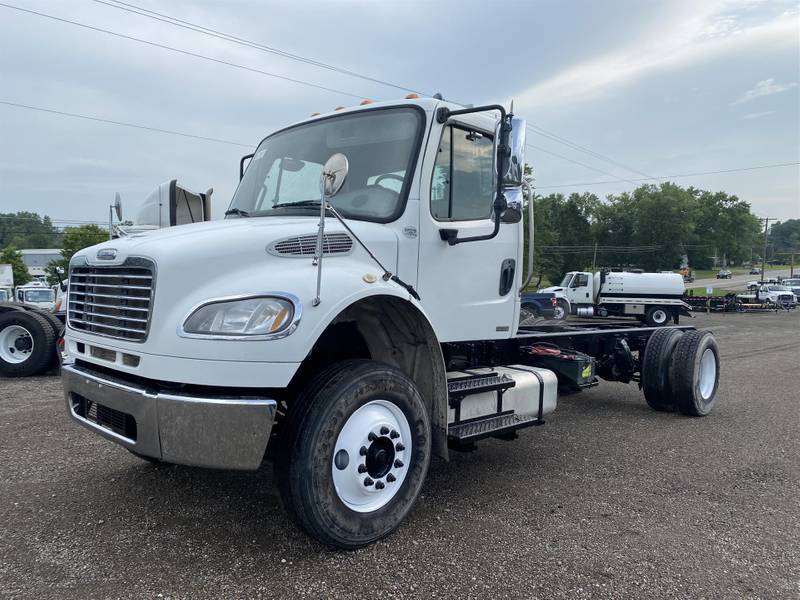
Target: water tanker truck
{"type": "Point", "coordinates": [655, 298]}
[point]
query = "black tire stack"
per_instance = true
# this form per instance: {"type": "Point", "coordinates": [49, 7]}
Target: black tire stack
{"type": "Point", "coordinates": [45, 330]}
{"type": "Point", "coordinates": [671, 372]}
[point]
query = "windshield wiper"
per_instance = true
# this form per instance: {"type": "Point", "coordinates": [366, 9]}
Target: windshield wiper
{"type": "Point", "coordinates": [237, 211]}
{"type": "Point", "coordinates": [299, 203]}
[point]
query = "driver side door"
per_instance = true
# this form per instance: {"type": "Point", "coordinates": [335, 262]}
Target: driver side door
{"type": "Point", "coordinates": [469, 290]}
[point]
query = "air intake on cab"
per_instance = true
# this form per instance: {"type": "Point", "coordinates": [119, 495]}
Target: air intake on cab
{"type": "Point", "coordinates": [305, 245]}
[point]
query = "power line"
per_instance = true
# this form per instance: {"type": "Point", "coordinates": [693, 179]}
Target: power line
{"type": "Point", "coordinates": [180, 51]}
{"type": "Point", "coordinates": [736, 170]}
{"type": "Point", "coordinates": [577, 162]}
{"type": "Point", "coordinates": [124, 124]}
{"type": "Point", "coordinates": [562, 140]}
{"type": "Point", "coordinates": [151, 14]}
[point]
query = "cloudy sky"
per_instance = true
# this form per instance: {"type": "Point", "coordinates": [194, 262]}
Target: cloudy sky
{"type": "Point", "coordinates": [642, 88]}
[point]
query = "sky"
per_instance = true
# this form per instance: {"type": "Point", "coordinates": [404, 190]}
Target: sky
{"type": "Point", "coordinates": [638, 88]}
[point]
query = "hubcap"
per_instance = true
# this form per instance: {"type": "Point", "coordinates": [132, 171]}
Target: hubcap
{"type": "Point", "coordinates": [708, 374]}
{"type": "Point", "coordinates": [659, 316]}
{"type": "Point", "coordinates": [371, 456]}
{"type": "Point", "coordinates": [16, 344]}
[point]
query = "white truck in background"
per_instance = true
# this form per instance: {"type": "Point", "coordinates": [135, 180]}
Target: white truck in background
{"type": "Point", "coordinates": [328, 323]}
{"type": "Point", "coordinates": [655, 298]}
{"type": "Point", "coordinates": [6, 283]}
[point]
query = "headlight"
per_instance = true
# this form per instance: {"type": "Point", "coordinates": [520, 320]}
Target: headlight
{"type": "Point", "coordinates": [267, 316]}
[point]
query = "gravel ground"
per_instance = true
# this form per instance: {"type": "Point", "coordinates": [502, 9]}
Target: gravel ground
{"type": "Point", "coordinates": [608, 500]}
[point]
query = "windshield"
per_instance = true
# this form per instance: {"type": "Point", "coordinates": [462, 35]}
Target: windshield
{"type": "Point", "coordinates": [791, 282]}
{"type": "Point", "coordinates": [566, 280]}
{"type": "Point", "coordinates": [40, 296]}
{"type": "Point", "coordinates": [380, 147]}
{"type": "Point", "coordinates": [777, 288]}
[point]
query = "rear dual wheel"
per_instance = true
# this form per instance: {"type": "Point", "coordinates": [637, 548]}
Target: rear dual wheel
{"type": "Point", "coordinates": [680, 370]}
{"type": "Point", "coordinates": [353, 453]}
{"type": "Point", "coordinates": [27, 343]}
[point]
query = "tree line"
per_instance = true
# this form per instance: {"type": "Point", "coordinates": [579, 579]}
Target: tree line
{"type": "Point", "coordinates": [654, 227]}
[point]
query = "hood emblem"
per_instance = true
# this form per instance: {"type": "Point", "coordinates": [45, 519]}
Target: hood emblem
{"type": "Point", "coordinates": [107, 254]}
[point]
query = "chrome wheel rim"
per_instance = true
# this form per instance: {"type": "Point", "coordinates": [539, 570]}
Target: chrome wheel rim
{"type": "Point", "coordinates": [16, 344]}
{"type": "Point", "coordinates": [371, 456]}
{"type": "Point", "coordinates": [559, 313]}
{"type": "Point", "coordinates": [659, 316]}
{"type": "Point", "coordinates": [707, 376]}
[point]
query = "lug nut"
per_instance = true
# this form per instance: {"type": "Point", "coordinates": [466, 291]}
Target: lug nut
{"type": "Point", "coordinates": [362, 451]}
{"type": "Point", "coordinates": [379, 485]}
{"type": "Point", "coordinates": [398, 463]}
{"type": "Point", "coordinates": [362, 468]}
{"type": "Point", "coordinates": [391, 478]}
{"type": "Point", "coordinates": [368, 482]}
{"type": "Point", "coordinates": [371, 437]}
{"type": "Point", "coordinates": [399, 447]}
{"type": "Point", "coordinates": [394, 435]}
{"type": "Point", "coordinates": [384, 430]}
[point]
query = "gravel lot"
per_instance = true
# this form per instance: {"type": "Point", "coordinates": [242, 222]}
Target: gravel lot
{"type": "Point", "coordinates": [609, 499]}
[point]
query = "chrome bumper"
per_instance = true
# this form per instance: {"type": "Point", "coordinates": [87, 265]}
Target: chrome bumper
{"type": "Point", "coordinates": [216, 432]}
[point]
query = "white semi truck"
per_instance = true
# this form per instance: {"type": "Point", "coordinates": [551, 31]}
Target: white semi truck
{"type": "Point", "coordinates": [655, 298]}
{"type": "Point", "coordinates": [355, 314]}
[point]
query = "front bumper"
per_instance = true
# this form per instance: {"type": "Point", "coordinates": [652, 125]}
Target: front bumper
{"type": "Point", "coordinates": [220, 432]}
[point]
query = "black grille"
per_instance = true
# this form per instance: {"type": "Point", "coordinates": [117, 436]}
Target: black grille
{"type": "Point", "coordinates": [111, 301]}
{"type": "Point", "coordinates": [115, 420]}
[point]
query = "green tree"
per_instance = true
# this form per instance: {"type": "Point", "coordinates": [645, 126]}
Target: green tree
{"type": "Point", "coordinates": [27, 230]}
{"type": "Point", "coordinates": [10, 256]}
{"type": "Point", "coordinates": [784, 237]}
{"type": "Point", "coordinates": [74, 239]}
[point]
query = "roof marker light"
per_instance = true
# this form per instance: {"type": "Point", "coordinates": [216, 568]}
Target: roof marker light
{"type": "Point", "coordinates": [364, 102]}
{"type": "Point", "coordinates": [316, 114]}
{"type": "Point", "coordinates": [412, 96]}
{"type": "Point", "coordinates": [339, 108]}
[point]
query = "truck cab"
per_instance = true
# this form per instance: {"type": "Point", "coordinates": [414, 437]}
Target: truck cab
{"type": "Point", "coordinates": [37, 295]}
{"type": "Point", "coordinates": [357, 310]}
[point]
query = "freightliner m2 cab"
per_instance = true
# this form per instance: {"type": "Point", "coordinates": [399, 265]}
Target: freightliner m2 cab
{"type": "Point", "coordinates": [355, 313]}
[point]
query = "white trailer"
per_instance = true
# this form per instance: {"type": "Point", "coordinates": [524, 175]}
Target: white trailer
{"type": "Point", "coordinates": [655, 298]}
{"type": "Point", "coordinates": [355, 314]}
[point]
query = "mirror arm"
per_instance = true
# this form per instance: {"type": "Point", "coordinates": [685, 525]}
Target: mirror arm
{"type": "Point", "coordinates": [503, 151]}
{"type": "Point", "coordinates": [241, 164]}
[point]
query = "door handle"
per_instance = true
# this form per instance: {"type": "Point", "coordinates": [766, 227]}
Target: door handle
{"type": "Point", "coordinates": [507, 268]}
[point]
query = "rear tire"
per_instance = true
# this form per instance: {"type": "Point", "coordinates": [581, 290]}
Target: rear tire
{"type": "Point", "coordinates": [27, 343]}
{"type": "Point", "coordinates": [353, 453]}
{"type": "Point", "coordinates": [656, 384]}
{"type": "Point", "coordinates": [694, 373]}
{"type": "Point", "coordinates": [528, 314]}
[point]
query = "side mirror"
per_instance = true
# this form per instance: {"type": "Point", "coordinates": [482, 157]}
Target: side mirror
{"type": "Point", "coordinates": [333, 175]}
{"type": "Point", "coordinates": [514, 206]}
{"type": "Point", "coordinates": [515, 166]}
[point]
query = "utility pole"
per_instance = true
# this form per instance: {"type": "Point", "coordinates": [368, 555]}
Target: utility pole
{"type": "Point", "coordinates": [764, 255]}
{"type": "Point", "coordinates": [594, 258]}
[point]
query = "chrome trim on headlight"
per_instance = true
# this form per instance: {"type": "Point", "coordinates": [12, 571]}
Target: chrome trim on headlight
{"type": "Point", "coordinates": [295, 301]}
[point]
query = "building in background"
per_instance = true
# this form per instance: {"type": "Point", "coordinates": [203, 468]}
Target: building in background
{"type": "Point", "coordinates": [36, 259]}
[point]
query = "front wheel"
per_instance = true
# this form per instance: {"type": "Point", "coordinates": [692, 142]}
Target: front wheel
{"type": "Point", "coordinates": [657, 316]}
{"type": "Point", "coordinates": [353, 453]}
{"type": "Point", "coordinates": [561, 310]}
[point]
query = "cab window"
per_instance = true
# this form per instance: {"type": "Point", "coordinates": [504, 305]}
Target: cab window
{"type": "Point", "coordinates": [581, 280]}
{"type": "Point", "coordinates": [463, 182]}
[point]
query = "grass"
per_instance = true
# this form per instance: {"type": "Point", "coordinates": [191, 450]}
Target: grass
{"type": "Point", "coordinates": [701, 291]}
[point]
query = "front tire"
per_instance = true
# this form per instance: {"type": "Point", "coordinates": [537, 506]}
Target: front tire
{"type": "Point", "coordinates": [657, 316]}
{"type": "Point", "coordinates": [561, 310]}
{"type": "Point", "coordinates": [353, 453]}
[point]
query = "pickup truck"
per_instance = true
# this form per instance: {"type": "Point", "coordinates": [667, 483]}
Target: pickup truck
{"type": "Point", "coordinates": [542, 305]}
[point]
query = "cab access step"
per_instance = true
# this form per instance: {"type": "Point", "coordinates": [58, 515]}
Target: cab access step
{"type": "Point", "coordinates": [496, 402]}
